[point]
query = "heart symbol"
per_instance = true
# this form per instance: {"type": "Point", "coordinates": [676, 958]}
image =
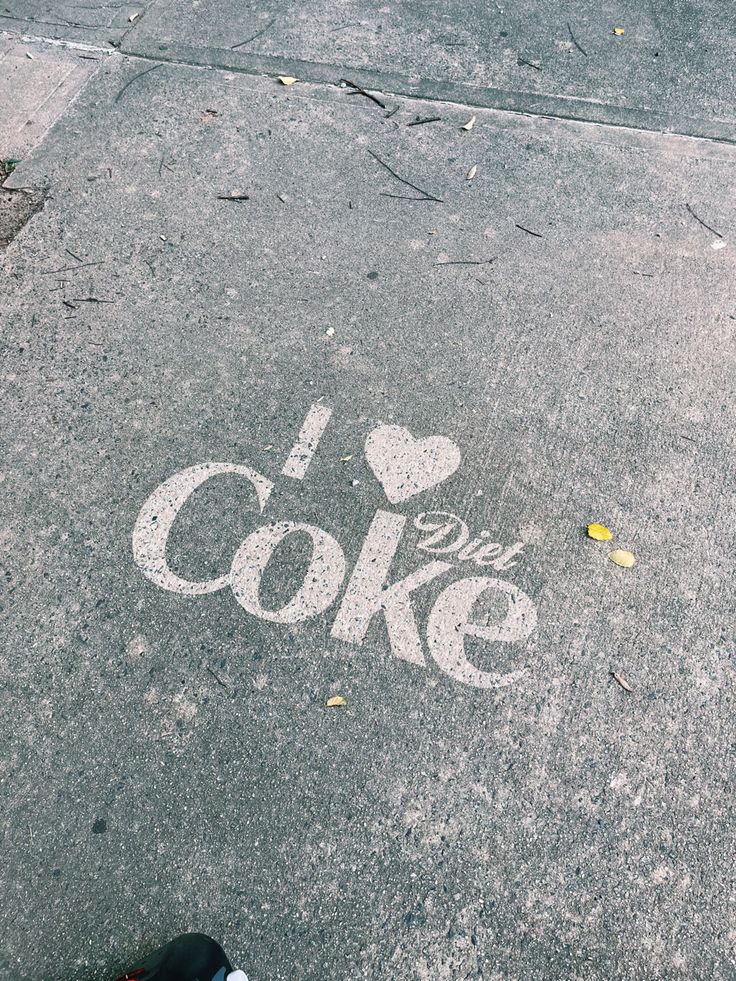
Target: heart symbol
{"type": "Point", "coordinates": [405, 466]}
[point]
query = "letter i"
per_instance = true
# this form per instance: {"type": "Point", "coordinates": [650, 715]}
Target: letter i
{"type": "Point", "coordinates": [307, 441]}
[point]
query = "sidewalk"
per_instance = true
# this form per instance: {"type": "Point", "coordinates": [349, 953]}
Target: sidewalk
{"type": "Point", "coordinates": [438, 350]}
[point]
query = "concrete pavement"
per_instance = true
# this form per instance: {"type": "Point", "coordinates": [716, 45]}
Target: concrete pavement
{"type": "Point", "coordinates": [296, 407]}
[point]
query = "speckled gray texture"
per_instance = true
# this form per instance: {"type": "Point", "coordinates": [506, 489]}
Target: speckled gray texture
{"type": "Point", "coordinates": [39, 80]}
{"type": "Point", "coordinates": [672, 68]}
{"type": "Point", "coordinates": [81, 21]}
{"type": "Point", "coordinates": [559, 828]}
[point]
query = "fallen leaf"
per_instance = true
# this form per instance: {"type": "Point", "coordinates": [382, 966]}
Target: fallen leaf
{"type": "Point", "coordinates": [344, 459]}
{"type": "Point", "coordinates": [286, 79]}
{"type": "Point", "coordinates": [599, 533]}
{"type": "Point", "coordinates": [472, 172]}
{"type": "Point", "coordinates": [337, 701]}
{"type": "Point", "coordinates": [622, 681]}
{"type": "Point", "coordinates": [620, 557]}
{"type": "Point", "coordinates": [470, 123]}
{"type": "Point", "coordinates": [618, 31]}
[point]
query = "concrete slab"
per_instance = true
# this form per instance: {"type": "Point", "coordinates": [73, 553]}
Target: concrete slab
{"type": "Point", "coordinates": [169, 762]}
{"type": "Point", "coordinates": [668, 69]}
{"type": "Point", "coordinates": [86, 22]}
{"type": "Point", "coordinates": [40, 81]}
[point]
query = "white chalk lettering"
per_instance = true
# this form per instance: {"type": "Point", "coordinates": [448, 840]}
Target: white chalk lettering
{"type": "Point", "coordinates": [367, 594]}
{"type": "Point", "coordinates": [404, 466]}
{"type": "Point", "coordinates": [442, 525]}
{"type": "Point", "coordinates": [157, 516]}
{"type": "Point", "coordinates": [321, 582]}
{"type": "Point", "coordinates": [449, 623]}
{"type": "Point", "coordinates": [310, 434]}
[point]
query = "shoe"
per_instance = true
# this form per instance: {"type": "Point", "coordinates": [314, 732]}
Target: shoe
{"type": "Point", "coordinates": [190, 957]}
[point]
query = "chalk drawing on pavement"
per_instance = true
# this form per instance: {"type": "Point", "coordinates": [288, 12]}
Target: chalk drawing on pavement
{"type": "Point", "coordinates": [405, 466]}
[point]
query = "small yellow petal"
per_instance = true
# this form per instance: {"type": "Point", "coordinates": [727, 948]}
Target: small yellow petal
{"type": "Point", "coordinates": [620, 557]}
{"type": "Point", "coordinates": [599, 533]}
{"type": "Point", "coordinates": [618, 31]}
{"type": "Point", "coordinates": [470, 123]}
{"type": "Point", "coordinates": [336, 701]}
{"type": "Point", "coordinates": [287, 79]}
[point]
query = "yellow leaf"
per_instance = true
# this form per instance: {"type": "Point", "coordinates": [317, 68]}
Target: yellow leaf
{"type": "Point", "coordinates": [620, 557]}
{"type": "Point", "coordinates": [470, 123]}
{"type": "Point", "coordinates": [344, 459]}
{"type": "Point", "coordinates": [618, 31]}
{"type": "Point", "coordinates": [337, 701]}
{"type": "Point", "coordinates": [472, 172]}
{"type": "Point", "coordinates": [286, 79]}
{"type": "Point", "coordinates": [599, 533]}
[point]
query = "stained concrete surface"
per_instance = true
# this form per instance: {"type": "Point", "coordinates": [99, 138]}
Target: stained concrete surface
{"type": "Point", "coordinates": [168, 760]}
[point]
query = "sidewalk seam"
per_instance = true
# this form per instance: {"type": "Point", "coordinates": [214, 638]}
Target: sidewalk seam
{"type": "Point", "coordinates": [428, 90]}
{"type": "Point", "coordinates": [433, 90]}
